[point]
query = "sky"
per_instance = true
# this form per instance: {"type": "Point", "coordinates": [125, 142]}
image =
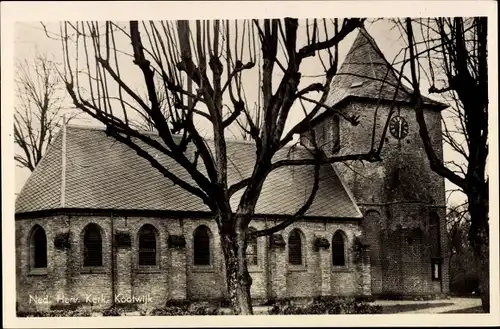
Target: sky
{"type": "Point", "coordinates": [30, 39]}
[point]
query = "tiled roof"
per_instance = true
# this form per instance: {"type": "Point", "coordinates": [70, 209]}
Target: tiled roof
{"type": "Point", "coordinates": [102, 173]}
{"type": "Point", "coordinates": [366, 74]}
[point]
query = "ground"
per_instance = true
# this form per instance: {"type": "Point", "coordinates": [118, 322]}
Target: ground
{"type": "Point", "coordinates": [452, 305]}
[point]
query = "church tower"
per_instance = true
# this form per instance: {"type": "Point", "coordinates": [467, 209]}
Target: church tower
{"type": "Point", "coordinates": [402, 199]}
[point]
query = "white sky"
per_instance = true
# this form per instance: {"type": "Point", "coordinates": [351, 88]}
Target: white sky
{"type": "Point", "coordinates": [30, 38]}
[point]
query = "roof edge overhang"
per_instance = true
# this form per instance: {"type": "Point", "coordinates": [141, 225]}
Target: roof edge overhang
{"type": "Point", "coordinates": [435, 105]}
{"type": "Point", "coordinates": [156, 213]}
{"type": "Point", "coordinates": [347, 190]}
{"type": "Point", "coordinates": [38, 166]}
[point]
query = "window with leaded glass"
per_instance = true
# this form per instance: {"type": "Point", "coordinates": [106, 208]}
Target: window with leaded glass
{"type": "Point", "coordinates": [295, 248]}
{"type": "Point", "coordinates": [147, 246]}
{"type": "Point", "coordinates": [92, 246]}
{"type": "Point", "coordinates": [338, 249]}
{"type": "Point", "coordinates": [252, 250]}
{"type": "Point", "coordinates": [201, 241]}
{"type": "Point", "coordinates": [38, 246]}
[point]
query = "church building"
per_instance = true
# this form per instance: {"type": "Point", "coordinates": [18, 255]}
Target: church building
{"type": "Point", "coordinates": [97, 226]}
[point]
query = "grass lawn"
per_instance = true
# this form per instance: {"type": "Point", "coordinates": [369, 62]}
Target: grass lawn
{"type": "Point", "coordinates": [477, 309]}
{"type": "Point", "coordinates": [398, 308]}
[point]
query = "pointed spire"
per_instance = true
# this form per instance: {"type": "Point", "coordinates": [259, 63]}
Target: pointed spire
{"type": "Point", "coordinates": [366, 74]}
{"type": "Point", "coordinates": [365, 58]}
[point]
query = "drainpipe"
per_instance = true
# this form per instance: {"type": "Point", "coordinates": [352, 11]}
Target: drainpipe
{"type": "Point", "coordinates": [113, 288]}
{"type": "Point", "coordinates": [63, 164]}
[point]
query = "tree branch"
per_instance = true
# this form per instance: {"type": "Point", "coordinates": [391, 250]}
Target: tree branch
{"type": "Point", "coordinates": [436, 164]}
{"type": "Point", "coordinates": [299, 212]}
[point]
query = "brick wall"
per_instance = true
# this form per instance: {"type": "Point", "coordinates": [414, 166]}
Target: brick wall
{"type": "Point", "coordinates": [175, 276]}
{"type": "Point", "coordinates": [371, 226]}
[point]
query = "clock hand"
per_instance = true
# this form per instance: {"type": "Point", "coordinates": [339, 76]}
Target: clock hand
{"type": "Point", "coordinates": [399, 124]}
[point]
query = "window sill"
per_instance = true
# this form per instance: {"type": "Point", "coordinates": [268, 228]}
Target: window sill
{"type": "Point", "coordinates": [255, 269]}
{"type": "Point", "coordinates": [344, 268]}
{"type": "Point", "coordinates": [42, 271]}
{"type": "Point", "coordinates": [148, 270]}
{"type": "Point", "coordinates": [93, 270]}
{"type": "Point", "coordinates": [297, 268]}
{"type": "Point", "coordinates": [203, 268]}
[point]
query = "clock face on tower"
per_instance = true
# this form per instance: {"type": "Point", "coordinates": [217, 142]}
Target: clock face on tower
{"type": "Point", "coordinates": [398, 127]}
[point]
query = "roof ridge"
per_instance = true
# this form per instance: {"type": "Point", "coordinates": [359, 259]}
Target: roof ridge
{"type": "Point", "coordinates": [155, 133]}
{"type": "Point", "coordinates": [103, 128]}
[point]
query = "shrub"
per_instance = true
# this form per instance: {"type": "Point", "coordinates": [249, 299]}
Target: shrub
{"type": "Point", "coordinates": [203, 310]}
{"type": "Point", "coordinates": [185, 310]}
{"type": "Point", "coordinates": [225, 303]}
{"type": "Point", "coordinates": [326, 306]}
{"type": "Point", "coordinates": [55, 313]}
{"type": "Point", "coordinates": [178, 303]}
{"type": "Point", "coordinates": [26, 314]}
{"type": "Point", "coordinates": [365, 299]}
{"type": "Point", "coordinates": [111, 312]}
{"type": "Point", "coordinates": [169, 310]}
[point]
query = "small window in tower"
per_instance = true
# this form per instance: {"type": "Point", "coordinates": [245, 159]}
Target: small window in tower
{"type": "Point", "coordinates": [356, 84]}
{"type": "Point", "coordinates": [436, 269]}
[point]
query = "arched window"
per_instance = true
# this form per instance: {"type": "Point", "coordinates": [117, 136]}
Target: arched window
{"type": "Point", "coordinates": [201, 246]}
{"type": "Point", "coordinates": [295, 248]}
{"type": "Point", "coordinates": [338, 249]}
{"type": "Point", "coordinates": [38, 246]}
{"type": "Point", "coordinates": [252, 250]}
{"type": "Point", "coordinates": [147, 246]}
{"type": "Point", "coordinates": [92, 246]}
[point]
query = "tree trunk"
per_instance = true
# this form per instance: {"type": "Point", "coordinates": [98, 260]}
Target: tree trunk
{"type": "Point", "coordinates": [483, 267]}
{"type": "Point", "coordinates": [479, 239]}
{"type": "Point", "coordinates": [237, 277]}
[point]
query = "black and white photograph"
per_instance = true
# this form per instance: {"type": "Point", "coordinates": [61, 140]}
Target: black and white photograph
{"type": "Point", "coordinates": [215, 162]}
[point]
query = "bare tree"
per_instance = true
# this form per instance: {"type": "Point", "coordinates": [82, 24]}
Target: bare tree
{"type": "Point", "coordinates": [204, 67]}
{"type": "Point", "coordinates": [454, 53]}
{"type": "Point", "coordinates": [146, 122]}
{"type": "Point", "coordinates": [38, 109]}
